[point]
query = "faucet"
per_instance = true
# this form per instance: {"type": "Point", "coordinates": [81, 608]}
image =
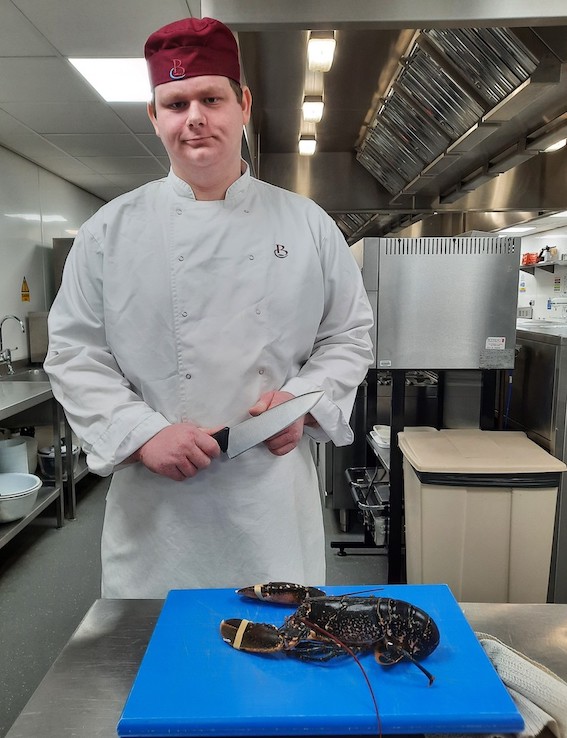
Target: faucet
{"type": "Point", "coordinates": [6, 354]}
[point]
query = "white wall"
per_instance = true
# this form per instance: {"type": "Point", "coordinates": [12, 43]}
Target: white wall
{"type": "Point", "coordinates": [30, 200]}
{"type": "Point", "coordinates": [539, 288]}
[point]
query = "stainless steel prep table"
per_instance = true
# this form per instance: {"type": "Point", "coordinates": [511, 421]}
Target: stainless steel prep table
{"type": "Point", "coordinates": [84, 692]}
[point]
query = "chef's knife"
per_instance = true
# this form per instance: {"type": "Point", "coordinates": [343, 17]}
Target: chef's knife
{"type": "Point", "coordinates": [254, 430]}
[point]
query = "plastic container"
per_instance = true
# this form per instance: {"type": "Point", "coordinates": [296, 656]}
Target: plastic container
{"type": "Point", "coordinates": [18, 494]}
{"type": "Point", "coordinates": [13, 455]}
{"type": "Point", "coordinates": [46, 458]}
{"type": "Point", "coordinates": [479, 513]}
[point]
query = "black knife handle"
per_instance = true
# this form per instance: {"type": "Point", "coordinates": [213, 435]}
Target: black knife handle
{"type": "Point", "coordinates": [221, 437]}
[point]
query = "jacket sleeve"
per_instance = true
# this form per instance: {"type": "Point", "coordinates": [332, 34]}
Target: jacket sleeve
{"type": "Point", "coordinates": [342, 351]}
{"type": "Point", "coordinates": [110, 419]}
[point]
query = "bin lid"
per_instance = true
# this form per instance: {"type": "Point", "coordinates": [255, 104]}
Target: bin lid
{"type": "Point", "coordinates": [476, 451]}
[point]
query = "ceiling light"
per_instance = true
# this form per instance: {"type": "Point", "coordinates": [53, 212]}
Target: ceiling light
{"type": "Point", "coordinates": [556, 146]}
{"type": "Point", "coordinates": [313, 108]}
{"type": "Point", "coordinates": [320, 50]}
{"type": "Point", "coordinates": [307, 145]}
{"type": "Point", "coordinates": [562, 214]}
{"type": "Point", "coordinates": [516, 229]}
{"type": "Point", "coordinates": [117, 80]}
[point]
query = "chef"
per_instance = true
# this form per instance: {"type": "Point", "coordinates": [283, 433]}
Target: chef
{"type": "Point", "coordinates": [190, 304]}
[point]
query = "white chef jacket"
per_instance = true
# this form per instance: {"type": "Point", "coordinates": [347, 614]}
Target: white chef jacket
{"type": "Point", "coordinates": [174, 309]}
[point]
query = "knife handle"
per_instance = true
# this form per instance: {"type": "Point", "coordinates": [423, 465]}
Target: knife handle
{"type": "Point", "coordinates": [221, 437]}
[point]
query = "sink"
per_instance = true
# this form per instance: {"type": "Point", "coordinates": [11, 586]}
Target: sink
{"type": "Point", "coordinates": [26, 375]}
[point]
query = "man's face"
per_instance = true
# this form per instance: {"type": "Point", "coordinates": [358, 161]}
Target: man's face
{"type": "Point", "coordinates": [199, 121]}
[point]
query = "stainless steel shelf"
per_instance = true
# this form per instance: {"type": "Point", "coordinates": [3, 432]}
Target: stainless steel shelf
{"type": "Point", "coordinates": [383, 454]}
{"type": "Point", "coordinates": [45, 497]}
{"type": "Point", "coordinates": [547, 266]}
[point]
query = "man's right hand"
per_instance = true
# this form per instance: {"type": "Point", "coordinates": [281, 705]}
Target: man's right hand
{"type": "Point", "coordinates": [178, 451]}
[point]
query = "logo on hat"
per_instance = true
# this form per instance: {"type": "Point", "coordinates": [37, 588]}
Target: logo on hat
{"type": "Point", "coordinates": [177, 71]}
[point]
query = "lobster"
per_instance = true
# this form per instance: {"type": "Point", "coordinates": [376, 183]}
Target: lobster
{"type": "Point", "coordinates": [324, 627]}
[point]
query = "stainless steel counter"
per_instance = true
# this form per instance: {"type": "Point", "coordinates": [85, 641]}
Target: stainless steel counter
{"type": "Point", "coordinates": [84, 692]}
{"type": "Point", "coordinates": [15, 397]}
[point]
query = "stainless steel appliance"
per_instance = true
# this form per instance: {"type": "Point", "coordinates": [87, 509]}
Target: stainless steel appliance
{"type": "Point", "coordinates": [442, 303]}
{"type": "Point", "coordinates": [439, 304]}
{"type": "Point", "coordinates": [537, 404]}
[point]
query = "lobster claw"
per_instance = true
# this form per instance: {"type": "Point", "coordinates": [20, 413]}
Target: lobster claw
{"type": "Point", "coordinates": [285, 593]}
{"type": "Point", "coordinates": [244, 635]}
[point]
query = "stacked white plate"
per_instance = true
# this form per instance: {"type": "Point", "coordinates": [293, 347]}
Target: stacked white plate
{"type": "Point", "coordinates": [18, 494]}
{"type": "Point", "coordinates": [381, 435]}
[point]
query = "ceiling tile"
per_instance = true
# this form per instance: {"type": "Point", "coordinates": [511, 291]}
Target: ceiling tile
{"type": "Point", "coordinates": [18, 37]}
{"type": "Point", "coordinates": [134, 115]}
{"type": "Point", "coordinates": [97, 144]}
{"type": "Point", "coordinates": [98, 28]}
{"type": "Point", "coordinates": [51, 117]}
{"type": "Point", "coordinates": [146, 165]}
{"type": "Point", "coordinates": [43, 80]}
{"type": "Point", "coordinates": [152, 143]}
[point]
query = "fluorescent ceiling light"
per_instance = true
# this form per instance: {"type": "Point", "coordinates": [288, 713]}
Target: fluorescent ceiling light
{"type": "Point", "coordinates": [313, 108]}
{"type": "Point", "coordinates": [516, 229]}
{"type": "Point", "coordinates": [556, 146]}
{"type": "Point", "coordinates": [320, 50]}
{"type": "Point", "coordinates": [307, 145]}
{"type": "Point", "coordinates": [117, 80]}
{"type": "Point", "coordinates": [563, 214]}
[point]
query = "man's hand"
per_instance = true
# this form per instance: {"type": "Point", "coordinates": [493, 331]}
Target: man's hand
{"type": "Point", "coordinates": [285, 441]}
{"type": "Point", "coordinates": [178, 451]}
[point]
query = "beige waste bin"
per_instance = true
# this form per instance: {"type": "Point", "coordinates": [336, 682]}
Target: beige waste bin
{"type": "Point", "coordinates": [479, 513]}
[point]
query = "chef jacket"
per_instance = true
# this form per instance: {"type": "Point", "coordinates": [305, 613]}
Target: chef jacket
{"type": "Point", "coordinates": [173, 309]}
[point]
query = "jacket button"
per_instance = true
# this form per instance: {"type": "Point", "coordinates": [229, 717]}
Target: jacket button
{"type": "Point", "coordinates": [187, 376]}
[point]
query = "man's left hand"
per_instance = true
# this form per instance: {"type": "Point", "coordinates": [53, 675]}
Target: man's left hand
{"type": "Point", "coordinates": [285, 441]}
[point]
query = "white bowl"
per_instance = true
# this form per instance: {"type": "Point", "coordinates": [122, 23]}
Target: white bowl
{"type": "Point", "coordinates": [18, 493]}
{"type": "Point", "coordinates": [13, 484]}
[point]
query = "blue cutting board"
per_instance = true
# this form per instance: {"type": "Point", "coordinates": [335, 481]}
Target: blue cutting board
{"type": "Point", "coordinates": [191, 683]}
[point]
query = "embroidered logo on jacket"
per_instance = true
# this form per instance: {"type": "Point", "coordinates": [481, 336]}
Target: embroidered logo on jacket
{"type": "Point", "coordinates": [280, 251]}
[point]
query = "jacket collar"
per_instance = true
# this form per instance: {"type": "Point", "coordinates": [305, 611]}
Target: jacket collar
{"type": "Point", "coordinates": [234, 194]}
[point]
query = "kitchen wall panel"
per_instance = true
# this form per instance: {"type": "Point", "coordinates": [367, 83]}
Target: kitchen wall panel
{"type": "Point", "coordinates": [35, 207]}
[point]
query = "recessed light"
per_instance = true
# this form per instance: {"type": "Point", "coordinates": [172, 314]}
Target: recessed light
{"type": "Point", "coordinates": [320, 50]}
{"type": "Point", "coordinates": [313, 108]}
{"type": "Point", "coordinates": [307, 145]}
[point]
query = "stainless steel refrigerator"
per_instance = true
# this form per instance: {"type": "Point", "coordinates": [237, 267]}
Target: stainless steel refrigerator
{"type": "Point", "coordinates": [538, 406]}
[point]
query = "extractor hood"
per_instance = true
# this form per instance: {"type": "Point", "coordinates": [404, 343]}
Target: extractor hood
{"type": "Point", "coordinates": [445, 88]}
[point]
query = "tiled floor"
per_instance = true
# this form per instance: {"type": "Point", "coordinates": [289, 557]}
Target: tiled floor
{"type": "Point", "coordinates": [49, 578]}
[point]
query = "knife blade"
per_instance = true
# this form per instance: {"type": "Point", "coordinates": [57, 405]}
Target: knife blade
{"type": "Point", "coordinates": [252, 431]}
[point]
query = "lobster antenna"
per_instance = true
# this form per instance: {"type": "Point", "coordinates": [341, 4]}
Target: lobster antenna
{"type": "Point", "coordinates": [350, 652]}
{"type": "Point", "coordinates": [362, 592]}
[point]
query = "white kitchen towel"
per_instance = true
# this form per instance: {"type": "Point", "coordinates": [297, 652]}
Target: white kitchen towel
{"type": "Point", "coordinates": [539, 694]}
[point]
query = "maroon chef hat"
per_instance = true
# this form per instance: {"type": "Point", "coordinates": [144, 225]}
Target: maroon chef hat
{"type": "Point", "coordinates": [191, 47]}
